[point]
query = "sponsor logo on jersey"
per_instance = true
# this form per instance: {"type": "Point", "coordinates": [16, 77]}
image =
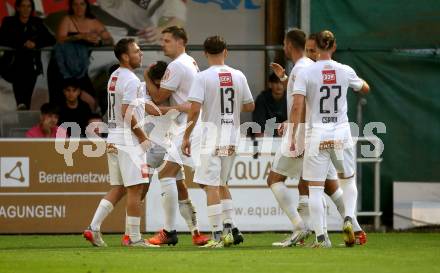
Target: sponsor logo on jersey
{"type": "Point", "coordinates": [112, 86]}
{"type": "Point", "coordinates": [329, 76]}
{"type": "Point", "coordinates": [225, 79]}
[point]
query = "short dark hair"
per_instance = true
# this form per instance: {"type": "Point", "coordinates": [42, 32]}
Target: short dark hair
{"type": "Point", "coordinates": [274, 78]}
{"type": "Point", "coordinates": [157, 70]}
{"type": "Point", "coordinates": [48, 108]}
{"type": "Point", "coordinates": [88, 14]}
{"type": "Point", "coordinates": [325, 40]}
{"type": "Point", "coordinates": [18, 3]}
{"type": "Point", "coordinates": [313, 36]}
{"type": "Point", "coordinates": [122, 47]}
{"type": "Point", "coordinates": [71, 82]}
{"type": "Point", "coordinates": [177, 33]}
{"type": "Point", "coordinates": [94, 116]}
{"type": "Point", "coordinates": [297, 38]}
{"type": "Point", "coordinates": [214, 45]}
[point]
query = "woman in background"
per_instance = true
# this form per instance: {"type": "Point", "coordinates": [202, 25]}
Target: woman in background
{"type": "Point", "coordinates": [77, 32]}
{"type": "Point", "coordinates": [25, 33]}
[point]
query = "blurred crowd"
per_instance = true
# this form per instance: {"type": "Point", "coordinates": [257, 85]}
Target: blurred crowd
{"type": "Point", "coordinates": [73, 97]}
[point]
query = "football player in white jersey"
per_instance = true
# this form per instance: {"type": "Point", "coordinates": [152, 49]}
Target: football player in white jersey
{"type": "Point", "coordinates": [332, 188]}
{"type": "Point", "coordinates": [323, 86]}
{"type": "Point", "coordinates": [126, 146]}
{"type": "Point", "coordinates": [220, 93]}
{"type": "Point", "coordinates": [175, 87]}
{"type": "Point", "coordinates": [288, 164]}
{"type": "Point", "coordinates": [285, 165]}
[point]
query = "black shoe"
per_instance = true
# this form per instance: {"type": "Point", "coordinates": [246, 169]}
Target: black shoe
{"type": "Point", "coordinates": [238, 236]}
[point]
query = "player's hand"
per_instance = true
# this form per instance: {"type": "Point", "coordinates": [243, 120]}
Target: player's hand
{"type": "Point", "coordinates": [278, 70]}
{"type": "Point", "coordinates": [282, 128]}
{"type": "Point", "coordinates": [146, 145]}
{"type": "Point", "coordinates": [150, 34]}
{"type": "Point", "coordinates": [293, 144]}
{"type": "Point", "coordinates": [186, 147]}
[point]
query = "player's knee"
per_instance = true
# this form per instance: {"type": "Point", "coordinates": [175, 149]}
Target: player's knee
{"type": "Point", "coordinates": [330, 186]}
{"type": "Point", "coordinates": [169, 170]}
{"type": "Point", "coordinates": [303, 187]}
{"type": "Point", "coordinates": [273, 178]}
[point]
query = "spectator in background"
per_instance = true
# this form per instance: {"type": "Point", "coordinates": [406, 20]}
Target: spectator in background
{"type": "Point", "coordinates": [25, 33]}
{"type": "Point", "coordinates": [97, 128]}
{"type": "Point", "coordinates": [270, 103]}
{"type": "Point", "coordinates": [74, 109]}
{"type": "Point", "coordinates": [311, 51]}
{"type": "Point", "coordinates": [77, 32]}
{"type": "Point", "coordinates": [48, 123]}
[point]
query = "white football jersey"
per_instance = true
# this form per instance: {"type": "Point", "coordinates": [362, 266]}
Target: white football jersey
{"type": "Point", "coordinates": [222, 91]}
{"type": "Point", "coordinates": [325, 85]}
{"type": "Point", "coordinates": [178, 78]}
{"type": "Point", "coordinates": [299, 65]}
{"type": "Point", "coordinates": [124, 87]}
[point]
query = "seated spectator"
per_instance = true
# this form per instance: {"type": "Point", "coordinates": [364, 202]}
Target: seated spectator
{"type": "Point", "coordinates": [73, 109]}
{"type": "Point", "coordinates": [25, 33]}
{"type": "Point", "coordinates": [97, 127]}
{"type": "Point", "coordinates": [269, 104]}
{"type": "Point", "coordinates": [48, 123]}
{"type": "Point", "coordinates": [78, 31]}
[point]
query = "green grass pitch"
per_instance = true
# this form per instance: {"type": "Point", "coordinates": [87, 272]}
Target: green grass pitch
{"type": "Point", "coordinates": [385, 252]}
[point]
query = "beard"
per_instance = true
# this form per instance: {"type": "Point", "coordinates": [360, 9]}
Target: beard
{"type": "Point", "coordinates": [134, 64]}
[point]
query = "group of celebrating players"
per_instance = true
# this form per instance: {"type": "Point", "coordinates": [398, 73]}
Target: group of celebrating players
{"type": "Point", "coordinates": [193, 119]}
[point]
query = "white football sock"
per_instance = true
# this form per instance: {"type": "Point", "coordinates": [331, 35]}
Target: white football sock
{"type": "Point", "coordinates": [356, 226]}
{"type": "Point", "coordinates": [126, 224]}
{"type": "Point", "coordinates": [349, 196]}
{"type": "Point", "coordinates": [324, 218]}
{"type": "Point", "coordinates": [215, 217]}
{"type": "Point", "coordinates": [228, 212]}
{"type": "Point", "coordinates": [188, 212]}
{"type": "Point", "coordinates": [339, 201]}
{"type": "Point", "coordinates": [134, 228]}
{"type": "Point", "coordinates": [169, 202]}
{"type": "Point", "coordinates": [303, 210]}
{"type": "Point", "coordinates": [103, 210]}
{"type": "Point", "coordinates": [316, 209]}
{"type": "Point", "coordinates": [285, 200]}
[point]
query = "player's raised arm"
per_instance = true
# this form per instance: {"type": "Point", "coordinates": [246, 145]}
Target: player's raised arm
{"type": "Point", "coordinates": [158, 94]}
{"type": "Point", "coordinates": [280, 72]}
